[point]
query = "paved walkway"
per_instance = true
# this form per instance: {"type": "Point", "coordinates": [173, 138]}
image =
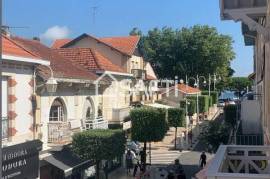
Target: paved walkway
{"type": "Point", "coordinates": [163, 153]}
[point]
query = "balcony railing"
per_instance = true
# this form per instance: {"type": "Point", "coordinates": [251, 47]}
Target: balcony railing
{"type": "Point", "coordinates": [98, 123]}
{"type": "Point", "coordinates": [245, 162]}
{"type": "Point", "coordinates": [61, 132]}
{"type": "Point", "coordinates": [5, 127]}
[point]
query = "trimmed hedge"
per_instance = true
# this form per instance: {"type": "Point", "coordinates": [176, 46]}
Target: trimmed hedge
{"type": "Point", "coordinates": [230, 113]}
{"type": "Point", "coordinates": [99, 144]}
{"type": "Point", "coordinates": [148, 124]}
{"type": "Point", "coordinates": [213, 94]}
{"type": "Point", "coordinates": [176, 117]}
{"type": "Point", "coordinates": [203, 103]}
{"type": "Point", "coordinates": [191, 106]}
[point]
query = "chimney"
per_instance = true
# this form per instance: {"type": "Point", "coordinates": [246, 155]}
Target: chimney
{"type": "Point", "coordinates": [36, 39]}
{"type": "Point", "coordinates": [5, 31]}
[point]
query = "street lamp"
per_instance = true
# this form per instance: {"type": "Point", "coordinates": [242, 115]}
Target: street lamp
{"type": "Point", "coordinates": [196, 84]}
{"type": "Point", "coordinates": [51, 83]}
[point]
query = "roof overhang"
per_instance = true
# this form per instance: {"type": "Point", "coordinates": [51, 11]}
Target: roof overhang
{"type": "Point", "coordinates": [249, 36]}
{"type": "Point", "coordinates": [26, 60]}
{"type": "Point", "coordinates": [253, 8]}
{"type": "Point", "coordinates": [114, 73]}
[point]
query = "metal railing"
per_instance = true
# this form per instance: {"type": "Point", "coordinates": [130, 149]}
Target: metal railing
{"type": "Point", "coordinates": [59, 132]}
{"type": "Point", "coordinates": [5, 126]}
{"type": "Point", "coordinates": [98, 123]}
{"type": "Point", "coordinates": [255, 139]}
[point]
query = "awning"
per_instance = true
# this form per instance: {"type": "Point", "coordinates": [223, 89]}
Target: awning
{"type": "Point", "coordinates": [67, 161]}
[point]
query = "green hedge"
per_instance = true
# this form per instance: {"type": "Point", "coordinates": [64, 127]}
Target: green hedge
{"type": "Point", "coordinates": [203, 103]}
{"type": "Point", "coordinates": [148, 124]}
{"type": "Point", "coordinates": [176, 117]}
{"type": "Point", "coordinates": [230, 113]}
{"type": "Point", "coordinates": [191, 106]}
{"type": "Point", "coordinates": [99, 144]}
{"type": "Point", "coordinates": [213, 94]}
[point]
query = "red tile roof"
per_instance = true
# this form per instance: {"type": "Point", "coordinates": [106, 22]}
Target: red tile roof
{"type": "Point", "coordinates": [89, 59]}
{"type": "Point", "coordinates": [59, 43]}
{"type": "Point", "coordinates": [188, 89]}
{"type": "Point", "coordinates": [10, 47]}
{"type": "Point", "coordinates": [61, 67]}
{"type": "Point", "coordinates": [126, 45]}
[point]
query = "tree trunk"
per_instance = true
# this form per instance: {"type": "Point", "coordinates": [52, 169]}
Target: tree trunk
{"type": "Point", "coordinates": [175, 138]}
{"type": "Point", "coordinates": [143, 158]}
{"type": "Point", "coordinates": [97, 169]}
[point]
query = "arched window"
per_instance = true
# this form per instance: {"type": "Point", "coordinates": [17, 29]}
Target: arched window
{"type": "Point", "coordinates": [58, 111]}
{"type": "Point", "coordinates": [89, 109]}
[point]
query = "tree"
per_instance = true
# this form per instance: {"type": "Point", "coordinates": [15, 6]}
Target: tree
{"type": "Point", "coordinates": [215, 134]}
{"type": "Point", "coordinates": [147, 125]}
{"type": "Point", "coordinates": [239, 84]}
{"type": "Point", "coordinates": [187, 51]}
{"type": "Point", "coordinates": [230, 113]}
{"type": "Point", "coordinates": [176, 118]}
{"type": "Point", "coordinates": [99, 145]}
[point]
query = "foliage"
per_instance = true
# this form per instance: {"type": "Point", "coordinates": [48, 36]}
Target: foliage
{"type": "Point", "coordinates": [99, 145]}
{"type": "Point", "coordinates": [148, 124]}
{"type": "Point", "coordinates": [239, 84]}
{"type": "Point", "coordinates": [213, 94]}
{"type": "Point", "coordinates": [176, 117]}
{"type": "Point", "coordinates": [215, 134]}
{"type": "Point", "coordinates": [230, 112]}
{"type": "Point", "coordinates": [191, 106]}
{"type": "Point", "coordinates": [210, 102]}
{"type": "Point", "coordinates": [203, 103]}
{"type": "Point", "coordinates": [187, 51]}
{"type": "Point", "coordinates": [115, 126]}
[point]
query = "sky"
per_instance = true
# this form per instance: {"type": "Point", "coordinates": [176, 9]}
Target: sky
{"type": "Point", "coordinates": [52, 19]}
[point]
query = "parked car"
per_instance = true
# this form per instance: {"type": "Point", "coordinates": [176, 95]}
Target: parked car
{"type": "Point", "coordinates": [221, 103]}
{"type": "Point", "coordinates": [134, 146]}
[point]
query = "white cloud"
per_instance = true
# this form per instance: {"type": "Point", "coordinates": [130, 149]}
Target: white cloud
{"type": "Point", "coordinates": [55, 32]}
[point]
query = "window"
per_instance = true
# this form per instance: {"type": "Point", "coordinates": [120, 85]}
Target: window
{"type": "Point", "coordinates": [4, 108]}
{"type": "Point", "coordinates": [57, 112]}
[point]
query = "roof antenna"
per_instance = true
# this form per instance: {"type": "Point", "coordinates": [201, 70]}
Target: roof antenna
{"type": "Point", "coordinates": [94, 12]}
{"type": "Point", "coordinates": [5, 29]}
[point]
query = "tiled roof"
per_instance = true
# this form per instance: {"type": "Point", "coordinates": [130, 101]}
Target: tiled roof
{"type": "Point", "coordinates": [126, 44]}
{"type": "Point", "coordinates": [10, 47]}
{"type": "Point", "coordinates": [61, 67]}
{"type": "Point", "coordinates": [59, 43]}
{"type": "Point", "coordinates": [89, 58]}
{"type": "Point", "coordinates": [188, 89]}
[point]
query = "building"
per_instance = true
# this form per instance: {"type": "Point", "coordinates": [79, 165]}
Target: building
{"type": "Point", "coordinates": [72, 106]}
{"type": "Point", "coordinates": [249, 161]}
{"type": "Point", "coordinates": [119, 58]}
{"type": "Point", "coordinates": [175, 94]}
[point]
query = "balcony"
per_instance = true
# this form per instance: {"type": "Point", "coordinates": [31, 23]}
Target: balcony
{"type": "Point", "coordinates": [119, 114]}
{"type": "Point", "coordinates": [98, 123]}
{"type": "Point", "coordinates": [138, 73]}
{"type": "Point", "coordinates": [235, 162]}
{"type": "Point", "coordinates": [60, 133]}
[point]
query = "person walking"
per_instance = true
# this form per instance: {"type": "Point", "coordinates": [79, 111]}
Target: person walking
{"type": "Point", "coordinates": [137, 166]}
{"type": "Point", "coordinates": [129, 163]}
{"type": "Point", "coordinates": [203, 159]}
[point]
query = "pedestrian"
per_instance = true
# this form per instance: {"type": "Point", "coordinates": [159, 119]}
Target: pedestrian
{"type": "Point", "coordinates": [137, 166]}
{"type": "Point", "coordinates": [129, 163]}
{"type": "Point", "coordinates": [203, 159]}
